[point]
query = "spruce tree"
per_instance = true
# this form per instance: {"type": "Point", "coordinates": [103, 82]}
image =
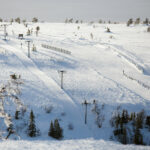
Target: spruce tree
{"type": "Point", "coordinates": [124, 137]}
{"type": "Point", "coordinates": [146, 21]}
{"type": "Point", "coordinates": [51, 130]}
{"type": "Point", "coordinates": [58, 132]}
{"type": "Point", "coordinates": [55, 130]}
{"type": "Point", "coordinates": [148, 121]}
{"type": "Point", "coordinates": [130, 21]}
{"type": "Point", "coordinates": [32, 127]}
{"type": "Point", "coordinates": [138, 138]}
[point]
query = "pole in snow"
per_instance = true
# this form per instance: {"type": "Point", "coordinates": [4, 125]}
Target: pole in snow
{"type": "Point", "coordinates": [5, 32]}
{"type": "Point", "coordinates": [86, 104]}
{"type": "Point", "coordinates": [61, 75]}
{"type": "Point", "coordinates": [28, 48]}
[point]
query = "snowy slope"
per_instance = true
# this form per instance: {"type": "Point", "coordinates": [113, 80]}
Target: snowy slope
{"type": "Point", "coordinates": [94, 70]}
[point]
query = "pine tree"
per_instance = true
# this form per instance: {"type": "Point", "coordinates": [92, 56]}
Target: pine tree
{"type": "Point", "coordinates": [148, 121]}
{"type": "Point", "coordinates": [148, 29]}
{"type": "Point", "coordinates": [137, 21]}
{"type": "Point", "coordinates": [58, 132]}
{"type": "Point", "coordinates": [130, 21]}
{"type": "Point", "coordinates": [32, 127]}
{"type": "Point", "coordinates": [124, 138]}
{"type": "Point", "coordinates": [51, 130]}
{"type": "Point", "coordinates": [138, 138]}
{"type": "Point", "coordinates": [117, 121]}
{"type": "Point", "coordinates": [140, 119]}
{"type": "Point", "coordinates": [146, 21]}
{"type": "Point", "coordinates": [108, 30]}
{"type": "Point", "coordinates": [55, 130]}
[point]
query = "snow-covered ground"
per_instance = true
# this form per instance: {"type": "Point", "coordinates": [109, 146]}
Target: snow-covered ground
{"type": "Point", "coordinates": [94, 70]}
{"type": "Point", "coordinates": [86, 144]}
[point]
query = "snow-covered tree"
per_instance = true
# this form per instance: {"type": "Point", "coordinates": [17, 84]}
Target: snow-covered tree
{"type": "Point", "coordinates": [17, 20]}
{"type": "Point", "coordinates": [34, 20]}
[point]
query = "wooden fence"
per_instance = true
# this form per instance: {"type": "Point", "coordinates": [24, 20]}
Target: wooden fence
{"type": "Point", "coordinates": [138, 81]}
{"type": "Point", "coordinates": [56, 49]}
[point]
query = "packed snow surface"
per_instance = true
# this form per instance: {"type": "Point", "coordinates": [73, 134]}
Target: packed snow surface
{"type": "Point", "coordinates": [87, 144]}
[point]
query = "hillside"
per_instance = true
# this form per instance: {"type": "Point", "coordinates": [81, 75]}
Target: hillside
{"type": "Point", "coordinates": [112, 68]}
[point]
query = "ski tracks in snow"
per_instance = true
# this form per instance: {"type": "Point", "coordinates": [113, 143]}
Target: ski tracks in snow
{"type": "Point", "coordinates": [129, 57]}
{"type": "Point", "coordinates": [30, 65]}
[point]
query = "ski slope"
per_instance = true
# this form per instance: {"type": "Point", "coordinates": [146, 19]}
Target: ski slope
{"type": "Point", "coordinates": [94, 70]}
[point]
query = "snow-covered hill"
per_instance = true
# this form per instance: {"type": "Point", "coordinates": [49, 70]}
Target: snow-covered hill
{"type": "Point", "coordinates": [111, 68]}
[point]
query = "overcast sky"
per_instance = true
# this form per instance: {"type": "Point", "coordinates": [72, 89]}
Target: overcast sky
{"type": "Point", "coordinates": [87, 10]}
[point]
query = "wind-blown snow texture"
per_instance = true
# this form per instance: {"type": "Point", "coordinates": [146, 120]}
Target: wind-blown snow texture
{"type": "Point", "coordinates": [94, 70]}
{"type": "Point", "coordinates": [89, 144]}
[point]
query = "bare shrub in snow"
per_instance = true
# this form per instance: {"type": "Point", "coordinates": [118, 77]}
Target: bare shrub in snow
{"type": "Point", "coordinates": [108, 30]}
{"type": "Point", "coordinates": [130, 21]}
{"type": "Point", "coordinates": [63, 114]}
{"type": "Point", "coordinates": [48, 109]}
{"type": "Point", "coordinates": [34, 20]}
{"type": "Point", "coordinates": [28, 32]}
{"type": "Point", "coordinates": [148, 29]}
{"type": "Point", "coordinates": [111, 37]}
{"type": "Point", "coordinates": [137, 21]}
{"type": "Point", "coordinates": [77, 21]}
{"type": "Point", "coordinates": [11, 92]}
{"type": "Point", "coordinates": [100, 21]}
{"type": "Point", "coordinates": [91, 35]}
{"type": "Point", "coordinates": [70, 126]}
{"type": "Point", "coordinates": [37, 30]}
{"type": "Point", "coordinates": [98, 111]}
{"type": "Point", "coordinates": [34, 48]}
{"type": "Point", "coordinates": [17, 20]}
{"type": "Point", "coordinates": [146, 21]}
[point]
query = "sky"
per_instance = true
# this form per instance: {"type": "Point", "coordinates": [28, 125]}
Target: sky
{"type": "Point", "coordinates": [86, 10]}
